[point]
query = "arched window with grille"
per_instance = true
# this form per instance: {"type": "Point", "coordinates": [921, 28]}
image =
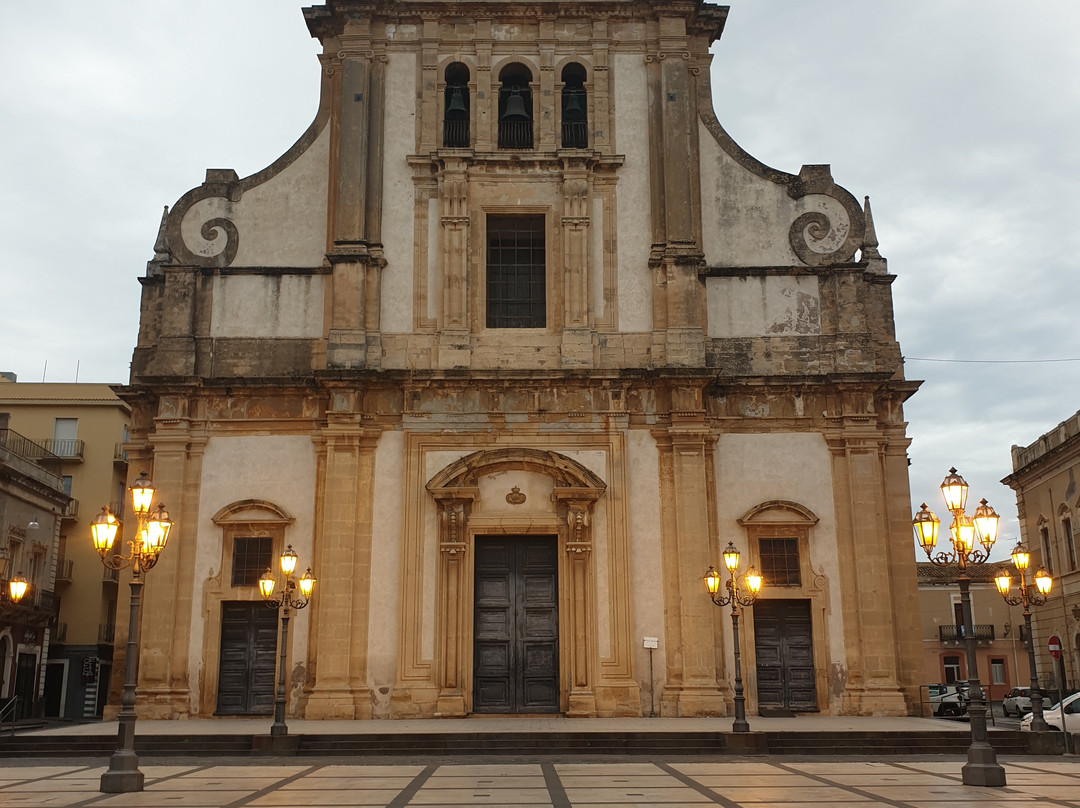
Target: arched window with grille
{"type": "Point", "coordinates": [515, 107]}
{"type": "Point", "coordinates": [456, 105]}
{"type": "Point", "coordinates": [575, 119]}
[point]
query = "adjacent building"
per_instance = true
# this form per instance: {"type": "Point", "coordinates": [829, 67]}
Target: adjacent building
{"type": "Point", "coordinates": [81, 428]}
{"type": "Point", "coordinates": [508, 346]}
{"type": "Point", "coordinates": [1000, 636]}
{"type": "Point", "coordinates": [32, 498]}
{"type": "Point", "coordinates": [1045, 476]}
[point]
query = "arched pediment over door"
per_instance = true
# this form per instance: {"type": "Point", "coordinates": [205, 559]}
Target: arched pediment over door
{"type": "Point", "coordinates": [464, 513]}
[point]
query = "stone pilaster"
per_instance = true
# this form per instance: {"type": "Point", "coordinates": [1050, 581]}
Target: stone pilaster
{"type": "Point", "coordinates": [692, 687]}
{"type": "Point", "coordinates": [452, 629]}
{"type": "Point", "coordinates": [454, 318]}
{"type": "Point", "coordinates": [581, 697]}
{"type": "Point", "coordinates": [343, 568]}
{"type": "Point", "coordinates": [864, 552]}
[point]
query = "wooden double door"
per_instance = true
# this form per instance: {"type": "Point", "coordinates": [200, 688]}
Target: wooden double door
{"type": "Point", "coordinates": [516, 625]}
{"type": "Point", "coordinates": [784, 651]}
{"type": "Point", "coordinates": [248, 653]}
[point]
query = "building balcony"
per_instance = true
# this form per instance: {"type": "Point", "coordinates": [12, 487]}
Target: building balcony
{"type": "Point", "coordinates": [117, 510]}
{"type": "Point", "coordinates": [70, 511]}
{"type": "Point", "coordinates": [64, 570]}
{"type": "Point", "coordinates": [69, 449]}
{"type": "Point", "coordinates": [45, 600]}
{"type": "Point", "coordinates": [120, 454]}
{"type": "Point", "coordinates": [110, 575]}
{"type": "Point", "coordinates": [954, 635]}
{"type": "Point", "coordinates": [106, 634]}
{"type": "Point", "coordinates": [60, 635]}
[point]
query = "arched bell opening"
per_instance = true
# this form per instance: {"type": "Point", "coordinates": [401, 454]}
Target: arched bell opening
{"type": "Point", "coordinates": [515, 107]}
{"type": "Point", "coordinates": [456, 107]}
{"type": "Point", "coordinates": [575, 118]}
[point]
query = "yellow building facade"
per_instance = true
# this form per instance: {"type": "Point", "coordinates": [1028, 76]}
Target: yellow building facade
{"type": "Point", "coordinates": [1045, 477]}
{"type": "Point", "coordinates": [508, 346]}
{"type": "Point", "coordinates": [83, 427]}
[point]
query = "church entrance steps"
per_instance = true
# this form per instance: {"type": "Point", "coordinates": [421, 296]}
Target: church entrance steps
{"type": "Point", "coordinates": [527, 737]}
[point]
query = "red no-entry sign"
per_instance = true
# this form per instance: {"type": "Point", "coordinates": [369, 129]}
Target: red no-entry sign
{"type": "Point", "coordinates": [1055, 646]}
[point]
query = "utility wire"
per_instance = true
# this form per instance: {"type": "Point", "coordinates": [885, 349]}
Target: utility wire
{"type": "Point", "coordinates": [989, 361]}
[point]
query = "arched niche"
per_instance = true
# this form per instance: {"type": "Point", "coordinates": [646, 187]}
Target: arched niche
{"type": "Point", "coordinates": [463, 513]}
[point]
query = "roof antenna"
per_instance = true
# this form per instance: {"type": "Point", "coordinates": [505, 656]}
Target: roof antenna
{"type": "Point", "coordinates": [77, 363]}
{"type": "Point", "coordinates": [43, 371]}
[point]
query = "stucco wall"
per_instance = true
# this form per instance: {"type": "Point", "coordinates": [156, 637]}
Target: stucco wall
{"type": "Point", "coordinates": [760, 306]}
{"type": "Point", "coordinates": [397, 218]}
{"type": "Point", "coordinates": [275, 468]}
{"type": "Point", "coordinates": [632, 194]}
{"type": "Point", "coordinates": [387, 508]}
{"type": "Point", "coordinates": [268, 306]}
{"type": "Point", "coordinates": [792, 466]}
{"type": "Point", "coordinates": [281, 222]}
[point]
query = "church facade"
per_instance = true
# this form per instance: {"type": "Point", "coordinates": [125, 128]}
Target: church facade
{"type": "Point", "coordinates": [508, 347]}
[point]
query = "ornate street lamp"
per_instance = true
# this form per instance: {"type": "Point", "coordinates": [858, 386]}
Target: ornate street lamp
{"type": "Point", "coordinates": [150, 538]}
{"type": "Point", "coordinates": [752, 582]}
{"type": "Point", "coordinates": [288, 599]}
{"type": "Point", "coordinates": [982, 768]}
{"type": "Point", "coordinates": [1021, 559]}
{"type": "Point", "coordinates": [17, 587]}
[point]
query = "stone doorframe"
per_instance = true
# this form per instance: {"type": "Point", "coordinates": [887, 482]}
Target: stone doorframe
{"type": "Point", "coordinates": [456, 492]}
{"type": "Point", "coordinates": [784, 519]}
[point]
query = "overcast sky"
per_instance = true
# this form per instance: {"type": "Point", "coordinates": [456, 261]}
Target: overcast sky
{"type": "Point", "coordinates": [959, 118]}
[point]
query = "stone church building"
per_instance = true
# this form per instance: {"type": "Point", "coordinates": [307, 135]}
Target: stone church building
{"type": "Point", "coordinates": [508, 346]}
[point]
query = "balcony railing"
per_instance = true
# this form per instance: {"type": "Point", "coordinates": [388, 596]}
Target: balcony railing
{"type": "Point", "coordinates": [954, 635]}
{"type": "Point", "coordinates": [117, 510]}
{"type": "Point", "coordinates": [24, 447]}
{"type": "Point", "coordinates": [63, 569]}
{"type": "Point", "coordinates": [110, 574]}
{"type": "Point", "coordinates": [119, 453]}
{"type": "Point", "coordinates": [71, 510]}
{"type": "Point", "coordinates": [46, 600]}
{"type": "Point", "coordinates": [106, 633]}
{"type": "Point", "coordinates": [66, 448]}
{"type": "Point", "coordinates": [61, 633]}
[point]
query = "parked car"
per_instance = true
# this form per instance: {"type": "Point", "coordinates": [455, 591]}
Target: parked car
{"type": "Point", "coordinates": [1017, 702]}
{"type": "Point", "coordinates": [1066, 711]}
{"type": "Point", "coordinates": [947, 700]}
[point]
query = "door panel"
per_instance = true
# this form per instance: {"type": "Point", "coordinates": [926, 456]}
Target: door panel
{"type": "Point", "coordinates": [247, 661]}
{"type": "Point", "coordinates": [516, 642]}
{"type": "Point", "coordinates": [784, 653]}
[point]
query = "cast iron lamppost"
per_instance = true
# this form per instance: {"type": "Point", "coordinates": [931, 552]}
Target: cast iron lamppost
{"type": "Point", "coordinates": [150, 537]}
{"type": "Point", "coordinates": [1021, 559]}
{"type": "Point", "coordinates": [288, 599]}
{"type": "Point", "coordinates": [752, 580]}
{"type": "Point", "coordinates": [982, 768]}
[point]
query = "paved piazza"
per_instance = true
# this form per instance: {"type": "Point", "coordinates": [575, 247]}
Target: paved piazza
{"type": "Point", "coordinates": [792, 783]}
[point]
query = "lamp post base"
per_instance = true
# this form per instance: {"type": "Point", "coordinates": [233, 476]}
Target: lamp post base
{"type": "Point", "coordinates": [982, 768]}
{"type": "Point", "coordinates": [123, 775]}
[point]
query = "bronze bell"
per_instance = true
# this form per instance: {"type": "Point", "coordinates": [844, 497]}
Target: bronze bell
{"type": "Point", "coordinates": [572, 109]}
{"type": "Point", "coordinates": [457, 101]}
{"type": "Point", "coordinates": [515, 106]}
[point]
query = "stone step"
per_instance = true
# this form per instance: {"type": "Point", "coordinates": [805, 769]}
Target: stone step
{"type": "Point", "coordinates": [674, 744]}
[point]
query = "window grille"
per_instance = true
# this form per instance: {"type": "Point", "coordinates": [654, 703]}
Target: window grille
{"type": "Point", "coordinates": [516, 272]}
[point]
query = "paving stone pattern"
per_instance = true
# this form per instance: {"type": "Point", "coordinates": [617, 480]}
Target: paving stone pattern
{"type": "Point", "coordinates": [731, 783]}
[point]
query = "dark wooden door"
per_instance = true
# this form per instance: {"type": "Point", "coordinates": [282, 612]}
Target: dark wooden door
{"type": "Point", "coordinates": [25, 681]}
{"type": "Point", "coordinates": [784, 652]}
{"type": "Point", "coordinates": [246, 665]}
{"type": "Point", "coordinates": [516, 625]}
